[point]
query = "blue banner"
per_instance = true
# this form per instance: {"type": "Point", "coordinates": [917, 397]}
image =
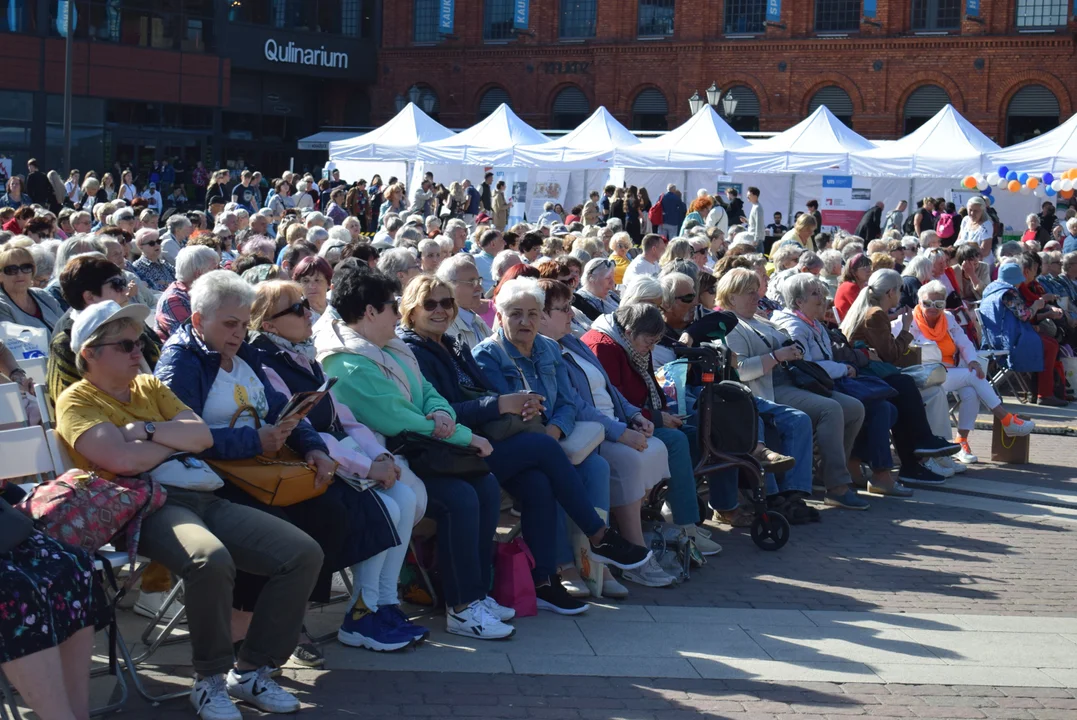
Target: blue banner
{"type": "Point", "coordinates": [870, 7]}
{"type": "Point", "coordinates": [774, 11]}
{"type": "Point", "coordinates": [519, 14]}
{"type": "Point", "coordinates": [972, 7]}
{"type": "Point", "coordinates": [446, 10]}
{"type": "Point", "coordinates": [837, 181]}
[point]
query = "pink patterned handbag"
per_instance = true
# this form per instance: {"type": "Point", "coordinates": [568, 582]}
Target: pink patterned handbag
{"type": "Point", "coordinates": [84, 510]}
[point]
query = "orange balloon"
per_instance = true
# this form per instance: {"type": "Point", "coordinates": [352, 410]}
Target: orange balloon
{"type": "Point", "coordinates": [1014, 186]}
{"type": "Point", "coordinates": [970, 182]}
{"type": "Point", "coordinates": [1065, 194]}
{"type": "Point", "coordinates": [1033, 182]}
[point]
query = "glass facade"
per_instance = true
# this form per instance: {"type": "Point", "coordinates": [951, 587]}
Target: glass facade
{"type": "Point", "coordinates": [184, 25]}
{"type": "Point", "coordinates": [337, 17]}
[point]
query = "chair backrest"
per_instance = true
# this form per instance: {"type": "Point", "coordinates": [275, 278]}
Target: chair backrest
{"type": "Point", "coordinates": [11, 410]}
{"type": "Point", "coordinates": [35, 368]}
{"type": "Point", "coordinates": [61, 460]}
{"type": "Point", "coordinates": [26, 452]}
{"type": "Point", "coordinates": [44, 406]}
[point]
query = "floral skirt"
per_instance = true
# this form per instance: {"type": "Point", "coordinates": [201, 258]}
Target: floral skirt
{"type": "Point", "coordinates": [47, 594]}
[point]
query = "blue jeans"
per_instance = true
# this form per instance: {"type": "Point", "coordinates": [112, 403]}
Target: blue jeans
{"type": "Point", "coordinates": [466, 512]}
{"type": "Point", "coordinates": [873, 443]}
{"type": "Point", "coordinates": [683, 448]}
{"type": "Point", "coordinates": [534, 470]}
{"type": "Point", "coordinates": [594, 472]}
{"type": "Point", "coordinates": [788, 431]}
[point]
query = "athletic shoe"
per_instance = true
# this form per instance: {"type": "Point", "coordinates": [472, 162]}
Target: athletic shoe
{"type": "Point", "coordinates": [394, 616]}
{"type": "Point", "coordinates": [706, 546]}
{"type": "Point", "coordinates": [649, 574]}
{"type": "Point", "coordinates": [149, 604]}
{"type": "Point", "coordinates": [500, 612]}
{"type": "Point", "coordinates": [373, 633]}
{"type": "Point", "coordinates": [613, 589]}
{"type": "Point", "coordinates": [614, 550]}
{"type": "Point", "coordinates": [950, 464]}
{"type": "Point", "coordinates": [895, 490]}
{"type": "Point", "coordinates": [256, 688]}
{"type": "Point", "coordinates": [211, 701]}
{"type": "Point", "coordinates": [936, 447]}
{"type": "Point", "coordinates": [477, 622]}
{"type": "Point", "coordinates": [552, 596]}
{"type": "Point", "coordinates": [849, 500]}
{"type": "Point", "coordinates": [964, 455]}
{"type": "Point", "coordinates": [917, 474]}
{"type": "Point", "coordinates": [1016, 427]}
{"type": "Point", "coordinates": [308, 655]}
{"type": "Point", "coordinates": [935, 466]}
{"type": "Point", "coordinates": [575, 586]}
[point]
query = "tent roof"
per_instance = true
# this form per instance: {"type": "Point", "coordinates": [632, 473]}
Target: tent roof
{"type": "Point", "coordinates": [591, 145]}
{"type": "Point", "coordinates": [397, 139]}
{"type": "Point", "coordinates": [699, 144]}
{"type": "Point", "coordinates": [492, 142]}
{"type": "Point", "coordinates": [1054, 151]}
{"type": "Point", "coordinates": [818, 143]}
{"type": "Point", "coordinates": [947, 145]}
{"type": "Point", "coordinates": [321, 140]}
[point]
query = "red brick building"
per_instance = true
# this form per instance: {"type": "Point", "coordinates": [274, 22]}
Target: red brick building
{"type": "Point", "coordinates": [1006, 69]}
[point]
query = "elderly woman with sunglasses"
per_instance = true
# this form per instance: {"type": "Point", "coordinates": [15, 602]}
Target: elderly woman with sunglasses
{"type": "Point", "coordinates": [151, 268]}
{"type": "Point", "coordinates": [531, 466]}
{"type": "Point", "coordinates": [20, 302]}
{"type": "Point", "coordinates": [382, 515]}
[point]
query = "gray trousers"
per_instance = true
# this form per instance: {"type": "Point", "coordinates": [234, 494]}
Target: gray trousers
{"type": "Point", "coordinates": [203, 539]}
{"type": "Point", "coordinates": [836, 421]}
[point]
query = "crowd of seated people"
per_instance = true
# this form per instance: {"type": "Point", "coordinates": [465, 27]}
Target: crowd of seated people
{"type": "Point", "coordinates": [507, 345]}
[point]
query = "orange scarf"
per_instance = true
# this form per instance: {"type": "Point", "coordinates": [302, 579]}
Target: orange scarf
{"type": "Point", "coordinates": [939, 334]}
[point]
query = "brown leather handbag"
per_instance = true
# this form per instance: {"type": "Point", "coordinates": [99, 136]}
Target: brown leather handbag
{"type": "Point", "coordinates": [281, 479]}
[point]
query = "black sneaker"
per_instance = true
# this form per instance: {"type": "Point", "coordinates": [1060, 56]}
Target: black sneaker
{"type": "Point", "coordinates": [552, 596]}
{"type": "Point", "coordinates": [936, 447]}
{"type": "Point", "coordinates": [615, 550]}
{"type": "Point", "coordinates": [919, 475]}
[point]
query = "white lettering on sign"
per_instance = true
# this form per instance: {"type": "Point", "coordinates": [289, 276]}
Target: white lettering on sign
{"type": "Point", "coordinates": [290, 53]}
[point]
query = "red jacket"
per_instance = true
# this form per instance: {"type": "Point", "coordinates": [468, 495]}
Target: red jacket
{"type": "Point", "coordinates": [844, 297]}
{"type": "Point", "coordinates": [12, 226]}
{"type": "Point", "coordinates": [615, 360]}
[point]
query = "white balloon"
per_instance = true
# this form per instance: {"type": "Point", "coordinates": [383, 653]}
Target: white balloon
{"type": "Point", "coordinates": [1036, 192]}
{"type": "Point", "coordinates": [981, 184]}
{"type": "Point", "coordinates": [1056, 184]}
{"type": "Point", "coordinates": [1003, 182]}
{"type": "Point", "coordinates": [1025, 190]}
{"type": "Point", "coordinates": [992, 179]}
{"type": "Point", "coordinates": [1067, 184]}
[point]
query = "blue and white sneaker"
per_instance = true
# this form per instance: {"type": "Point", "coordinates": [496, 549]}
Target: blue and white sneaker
{"type": "Point", "coordinates": [393, 616]}
{"type": "Point", "coordinates": [373, 633]}
{"type": "Point", "coordinates": [477, 621]}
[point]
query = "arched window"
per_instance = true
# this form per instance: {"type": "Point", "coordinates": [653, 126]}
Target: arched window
{"type": "Point", "coordinates": [570, 108]}
{"type": "Point", "coordinates": [922, 105]}
{"type": "Point", "coordinates": [649, 111]}
{"type": "Point", "coordinates": [836, 100]}
{"type": "Point", "coordinates": [1033, 111]}
{"type": "Point", "coordinates": [578, 18]}
{"type": "Point", "coordinates": [491, 100]}
{"type": "Point", "coordinates": [426, 99]}
{"type": "Point", "coordinates": [740, 108]}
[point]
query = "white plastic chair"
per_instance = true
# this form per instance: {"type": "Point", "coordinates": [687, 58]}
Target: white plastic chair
{"type": "Point", "coordinates": [11, 410]}
{"type": "Point", "coordinates": [35, 368]}
{"type": "Point", "coordinates": [26, 452]}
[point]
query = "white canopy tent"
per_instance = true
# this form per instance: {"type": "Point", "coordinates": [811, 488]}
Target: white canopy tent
{"type": "Point", "coordinates": [389, 149]}
{"type": "Point", "coordinates": [702, 143]}
{"type": "Point", "coordinates": [819, 143]}
{"type": "Point", "coordinates": [946, 146]}
{"type": "Point", "coordinates": [590, 146]}
{"type": "Point", "coordinates": [493, 142]}
{"type": "Point", "coordinates": [1052, 152]}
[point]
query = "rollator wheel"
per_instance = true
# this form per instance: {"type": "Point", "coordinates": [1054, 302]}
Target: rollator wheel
{"type": "Point", "coordinates": [770, 531]}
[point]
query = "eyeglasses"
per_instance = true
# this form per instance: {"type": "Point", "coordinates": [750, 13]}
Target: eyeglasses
{"type": "Point", "coordinates": [25, 269]}
{"type": "Point", "coordinates": [937, 304]}
{"type": "Point", "coordinates": [444, 304]}
{"type": "Point", "coordinates": [473, 282]}
{"type": "Point", "coordinates": [118, 283]}
{"type": "Point", "coordinates": [297, 308]}
{"type": "Point", "coordinates": [561, 309]}
{"type": "Point", "coordinates": [151, 243]}
{"type": "Point", "coordinates": [126, 346]}
{"type": "Point", "coordinates": [691, 297]}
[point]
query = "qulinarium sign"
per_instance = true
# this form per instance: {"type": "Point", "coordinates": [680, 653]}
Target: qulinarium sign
{"type": "Point", "coordinates": [295, 55]}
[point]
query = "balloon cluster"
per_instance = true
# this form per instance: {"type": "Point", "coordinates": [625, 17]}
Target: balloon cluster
{"type": "Point", "coordinates": [1046, 185]}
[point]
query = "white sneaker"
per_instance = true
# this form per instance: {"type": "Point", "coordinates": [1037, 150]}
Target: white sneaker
{"type": "Point", "coordinates": [1018, 427]}
{"type": "Point", "coordinates": [936, 467]}
{"type": "Point", "coordinates": [951, 464]}
{"type": "Point", "coordinates": [964, 456]}
{"type": "Point", "coordinates": [706, 546]}
{"type": "Point", "coordinates": [476, 621]}
{"type": "Point", "coordinates": [211, 701]}
{"type": "Point", "coordinates": [571, 580]}
{"type": "Point", "coordinates": [149, 604]}
{"type": "Point", "coordinates": [257, 688]}
{"type": "Point", "coordinates": [612, 589]}
{"type": "Point", "coordinates": [649, 574]}
{"type": "Point", "coordinates": [500, 612]}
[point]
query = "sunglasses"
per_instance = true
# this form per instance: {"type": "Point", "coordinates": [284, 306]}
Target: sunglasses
{"type": "Point", "coordinates": [937, 304]}
{"type": "Point", "coordinates": [118, 283]}
{"type": "Point", "coordinates": [126, 346]}
{"type": "Point", "coordinates": [151, 243]}
{"type": "Point", "coordinates": [444, 304]}
{"type": "Point", "coordinates": [701, 251]}
{"type": "Point", "coordinates": [687, 298]}
{"type": "Point", "coordinates": [298, 308]}
{"type": "Point", "coordinates": [395, 305]}
{"type": "Point", "coordinates": [25, 269]}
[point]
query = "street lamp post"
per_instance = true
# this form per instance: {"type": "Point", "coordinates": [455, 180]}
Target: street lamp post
{"type": "Point", "coordinates": [725, 104]}
{"type": "Point", "coordinates": [695, 103]}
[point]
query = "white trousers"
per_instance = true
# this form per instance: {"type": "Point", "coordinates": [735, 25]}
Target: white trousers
{"type": "Point", "coordinates": [971, 390]}
{"type": "Point", "coordinates": [375, 579]}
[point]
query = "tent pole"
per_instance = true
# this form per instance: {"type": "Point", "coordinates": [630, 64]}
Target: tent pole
{"type": "Point", "coordinates": [792, 201]}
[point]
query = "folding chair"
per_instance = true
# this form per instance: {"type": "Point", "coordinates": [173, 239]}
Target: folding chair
{"type": "Point", "coordinates": [11, 410]}
{"type": "Point", "coordinates": [35, 369]}
{"type": "Point", "coordinates": [45, 406]}
{"type": "Point", "coordinates": [1002, 373]}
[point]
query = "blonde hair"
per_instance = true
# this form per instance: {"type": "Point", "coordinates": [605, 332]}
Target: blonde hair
{"type": "Point", "coordinates": [416, 293]}
{"type": "Point", "coordinates": [882, 261]}
{"type": "Point", "coordinates": [735, 282]}
{"type": "Point", "coordinates": [16, 254]}
{"type": "Point", "coordinates": [678, 249]}
{"type": "Point", "coordinates": [267, 296]}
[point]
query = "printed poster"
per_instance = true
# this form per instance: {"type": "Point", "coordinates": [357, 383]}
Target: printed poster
{"type": "Point", "coordinates": [842, 205]}
{"type": "Point", "coordinates": [548, 187]}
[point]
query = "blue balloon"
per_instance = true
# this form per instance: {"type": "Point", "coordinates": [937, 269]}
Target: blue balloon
{"type": "Point", "coordinates": [1011, 175]}
{"type": "Point", "coordinates": [1022, 178]}
{"type": "Point", "coordinates": [1048, 178]}
{"type": "Point", "coordinates": [1003, 171]}
{"type": "Point", "coordinates": [1049, 191]}
{"type": "Point", "coordinates": [986, 190]}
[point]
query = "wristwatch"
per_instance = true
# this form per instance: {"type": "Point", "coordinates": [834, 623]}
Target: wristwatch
{"type": "Point", "coordinates": [150, 429]}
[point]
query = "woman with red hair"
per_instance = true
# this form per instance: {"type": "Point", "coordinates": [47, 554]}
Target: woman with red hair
{"type": "Point", "coordinates": [698, 211]}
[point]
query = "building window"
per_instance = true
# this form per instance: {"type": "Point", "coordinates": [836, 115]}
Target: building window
{"type": "Point", "coordinates": [426, 21]}
{"type": "Point", "coordinates": [491, 100]}
{"type": "Point", "coordinates": [578, 18]}
{"type": "Point", "coordinates": [745, 16]}
{"type": "Point", "coordinates": [1033, 111]}
{"type": "Point", "coordinates": [655, 18]}
{"type": "Point", "coordinates": [837, 101]}
{"type": "Point", "coordinates": [18, 18]}
{"type": "Point", "coordinates": [497, 23]}
{"type": "Point", "coordinates": [924, 103]}
{"type": "Point", "coordinates": [650, 111]}
{"type": "Point", "coordinates": [186, 27]}
{"type": "Point", "coordinates": [937, 14]}
{"type": "Point", "coordinates": [743, 108]}
{"type": "Point", "coordinates": [837, 15]}
{"type": "Point", "coordinates": [1042, 13]}
{"type": "Point", "coordinates": [570, 109]}
{"type": "Point", "coordinates": [339, 17]}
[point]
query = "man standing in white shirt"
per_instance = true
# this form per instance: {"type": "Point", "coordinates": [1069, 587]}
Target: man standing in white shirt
{"type": "Point", "coordinates": [755, 218]}
{"type": "Point", "coordinates": [647, 262]}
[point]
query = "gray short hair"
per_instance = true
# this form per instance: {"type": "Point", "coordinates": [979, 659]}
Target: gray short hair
{"type": "Point", "coordinates": [640, 319]}
{"type": "Point", "coordinates": [669, 287]}
{"type": "Point", "coordinates": [340, 233]}
{"type": "Point", "coordinates": [44, 260]}
{"type": "Point", "coordinates": [314, 218]}
{"type": "Point", "coordinates": [450, 268]}
{"type": "Point", "coordinates": [217, 288]}
{"type": "Point", "coordinates": [643, 288]}
{"type": "Point", "coordinates": [925, 237]}
{"type": "Point", "coordinates": [503, 261]}
{"type": "Point", "coordinates": [455, 224]}
{"type": "Point", "coordinates": [75, 245]}
{"type": "Point", "coordinates": [317, 236]}
{"type": "Point", "coordinates": [516, 289]}
{"type": "Point", "coordinates": [429, 243]}
{"type": "Point", "coordinates": [809, 260]}
{"type": "Point", "coordinates": [931, 288]}
{"type": "Point", "coordinates": [785, 253]}
{"type": "Point", "coordinates": [393, 224]}
{"type": "Point", "coordinates": [853, 248]}
{"type": "Point", "coordinates": [1069, 260]}
{"type": "Point", "coordinates": [177, 221]}
{"type": "Point", "coordinates": [396, 260]}
{"type": "Point", "coordinates": [798, 286]}
{"type": "Point", "coordinates": [919, 267]}
{"type": "Point", "coordinates": [410, 236]}
{"type": "Point", "coordinates": [194, 261]}
{"type": "Point", "coordinates": [832, 261]}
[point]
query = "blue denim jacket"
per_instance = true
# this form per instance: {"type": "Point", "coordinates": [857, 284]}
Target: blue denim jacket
{"type": "Point", "coordinates": [505, 369]}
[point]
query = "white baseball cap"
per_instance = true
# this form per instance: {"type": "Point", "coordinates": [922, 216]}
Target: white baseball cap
{"type": "Point", "coordinates": [90, 319]}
